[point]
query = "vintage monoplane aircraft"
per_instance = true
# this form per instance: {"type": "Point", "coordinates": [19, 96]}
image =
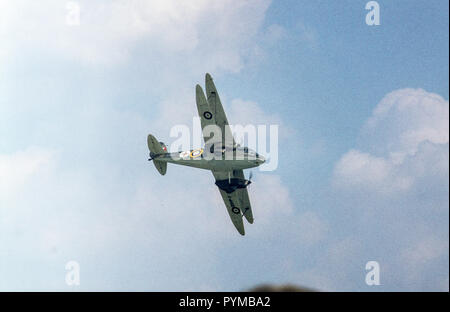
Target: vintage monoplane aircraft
{"type": "Point", "coordinates": [221, 155]}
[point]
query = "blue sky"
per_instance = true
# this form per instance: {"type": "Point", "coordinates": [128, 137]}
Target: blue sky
{"type": "Point", "coordinates": [363, 150]}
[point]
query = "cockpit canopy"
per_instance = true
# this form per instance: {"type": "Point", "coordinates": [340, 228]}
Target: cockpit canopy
{"type": "Point", "coordinates": [238, 152]}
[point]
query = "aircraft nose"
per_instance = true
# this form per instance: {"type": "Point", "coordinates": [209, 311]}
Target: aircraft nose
{"type": "Point", "coordinates": [260, 160]}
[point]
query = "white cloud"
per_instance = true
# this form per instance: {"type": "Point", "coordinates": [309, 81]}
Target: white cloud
{"type": "Point", "coordinates": [275, 202]}
{"type": "Point", "coordinates": [362, 170]}
{"type": "Point", "coordinates": [248, 112]}
{"type": "Point", "coordinates": [404, 119]}
{"type": "Point", "coordinates": [18, 168]}
{"type": "Point", "coordinates": [216, 33]}
{"type": "Point", "coordinates": [275, 212]}
{"type": "Point", "coordinates": [396, 188]}
{"type": "Point", "coordinates": [407, 137]}
{"type": "Point", "coordinates": [58, 213]}
{"type": "Point", "coordinates": [97, 200]}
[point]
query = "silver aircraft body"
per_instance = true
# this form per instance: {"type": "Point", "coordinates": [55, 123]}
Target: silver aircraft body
{"type": "Point", "coordinates": [221, 155]}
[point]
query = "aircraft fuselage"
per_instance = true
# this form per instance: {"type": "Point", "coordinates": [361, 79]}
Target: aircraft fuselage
{"type": "Point", "coordinates": [222, 160]}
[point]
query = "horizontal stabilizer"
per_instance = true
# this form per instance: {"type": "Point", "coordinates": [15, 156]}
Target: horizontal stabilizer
{"type": "Point", "coordinates": [156, 149]}
{"type": "Point", "coordinates": [161, 166]}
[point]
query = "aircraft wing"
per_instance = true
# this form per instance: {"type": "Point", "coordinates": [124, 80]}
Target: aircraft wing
{"type": "Point", "coordinates": [237, 202]}
{"type": "Point", "coordinates": [207, 118]}
{"type": "Point", "coordinates": [232, 202]}
{"type": "Point", "coordinates": [243, 197]}
{"type": "Point", "coordinates": [211, 111]}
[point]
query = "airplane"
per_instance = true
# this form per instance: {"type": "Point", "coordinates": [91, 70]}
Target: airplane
{"type": "Point", "coordinates": [220, 154]}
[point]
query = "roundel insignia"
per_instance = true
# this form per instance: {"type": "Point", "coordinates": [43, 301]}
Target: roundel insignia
{"type": "Point", "coordinates": [207, 115]}
{"type": "Point", "coordinates": [196, 153]}
{"type": "Point", "coordinates": [235, 210]}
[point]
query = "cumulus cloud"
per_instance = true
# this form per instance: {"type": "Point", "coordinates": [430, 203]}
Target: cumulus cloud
{"type": "Point", "coordinates": [162, 225]}
{"type": "Point", "coordinates": [219, 34]}
{"type": "Point", "coordinates": [86, 192]}
{"type": "Point", "coordinates": [405, 140]}
{"type": "Point", "coordinates": [396, 185]}
{"type": "Point", "coordinates": [404, 119]}
{"type": "Point", "coordinates": [276, 213]}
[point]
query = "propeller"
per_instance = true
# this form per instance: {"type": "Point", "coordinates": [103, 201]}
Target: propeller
{"type": "Point", "coordinates": [249, 181]}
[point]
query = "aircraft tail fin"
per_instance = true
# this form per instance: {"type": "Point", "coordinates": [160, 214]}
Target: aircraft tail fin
{"type": "Point", "coordinates": [157, 149]}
